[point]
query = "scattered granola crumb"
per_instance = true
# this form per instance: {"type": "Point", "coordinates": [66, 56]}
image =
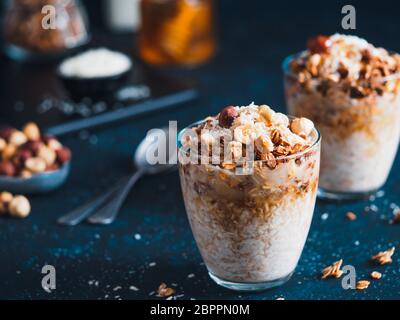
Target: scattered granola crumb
{"type": "Point", "coordinates": [164, 291]}
{"type": "Point", "coordinates": [384, 257]}
{"type": "Point", "coordinates": [362, 284]}
{"type": "Point", "coordinates": [351, 216]}
{"type": "Point", "coordinates": [333, 270]}
{"type": "Point", "coordinates": [376, 275]}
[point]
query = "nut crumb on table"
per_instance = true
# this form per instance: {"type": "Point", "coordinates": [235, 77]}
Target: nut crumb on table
{"type": "Point", "coordinates": [351, 216]}
{"type": "Point", "coordinates": [333, 270]}
{"type": "Point", "coordinates": [384, 257]}
{"type": "Point", "coordinates": [164, 291]}
{"type": "Point", "coordinates": [376, 275]}
{"type": "Point", "coordinates": [362, 284]}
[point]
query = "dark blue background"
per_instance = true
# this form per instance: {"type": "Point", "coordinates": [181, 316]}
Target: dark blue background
{"type": "Point", "coordinates": [255, 36]}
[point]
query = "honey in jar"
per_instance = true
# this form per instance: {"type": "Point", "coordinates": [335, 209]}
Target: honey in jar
{"type": "Point", "coordinates": [176, 32]}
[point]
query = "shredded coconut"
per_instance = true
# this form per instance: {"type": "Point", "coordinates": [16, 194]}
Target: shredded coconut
{"type": "Point", "coordinates": [96, 63]}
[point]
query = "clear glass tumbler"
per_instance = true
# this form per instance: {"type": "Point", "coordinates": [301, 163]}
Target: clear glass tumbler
{"type": "Point", "coordinates": [251, 229]}
{"type": "Point", "coordinates": [360, 136]}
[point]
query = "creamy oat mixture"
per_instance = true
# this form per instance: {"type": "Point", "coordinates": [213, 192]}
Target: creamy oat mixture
{"type": "Point", "coordinates": [350, 90]}
{"type": "Point", "coordinates": [252, 227]}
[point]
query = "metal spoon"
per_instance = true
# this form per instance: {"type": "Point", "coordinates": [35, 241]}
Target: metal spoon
{"type": "Point", "coordinates": [106, 206]}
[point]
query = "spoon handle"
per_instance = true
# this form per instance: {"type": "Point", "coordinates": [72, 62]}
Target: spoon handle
{"type": "Point", "coordinates": [107, 213]}
{"type": "Point", "coordinates": [82, 212]}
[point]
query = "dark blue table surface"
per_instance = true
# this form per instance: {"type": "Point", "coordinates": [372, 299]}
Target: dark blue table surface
{"type": "Point", "coordinates": [100, 262]}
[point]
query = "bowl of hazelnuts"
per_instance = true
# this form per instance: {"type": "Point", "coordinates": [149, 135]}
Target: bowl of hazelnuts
{"type": "Point", "coordinates": [31, 162]}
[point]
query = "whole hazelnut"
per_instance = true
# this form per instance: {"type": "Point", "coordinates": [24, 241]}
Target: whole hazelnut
{"type": "Point", "coordinates": [3, 144]}
{"type": "Point", "coordinates": [5, 199]}
{"type": "Point", "coordinates": [17, 138]}
{"type": "Point", "coordinates": [47, 154]}
{"type": "Point", "coordinates": [19, 207]}
{"type": "Point", "coordinates": [33, 146]}
{"type": "Point", "coordinates": [35, 165]}
{"type": "Point", "coordinates": [302, 126]}
{"type": "Point", "coordinates": [7, 168]}
{"type": "Point", "coordinates": [63, 155]}
{"type": "Point", "coordinates": [5, 133]}
{"type": "Point", "coordinates": [31, 131]}
{"type": "Point", "coordinates": [23, 155]}
{"type": "Point", "coordinates": [319, 44]}
{"type": "Point", "coordinates": [9, 151]}
{"type": "Point", "coordinates": [3, 208]}
{"type": "Point", "coordinates": [227, 116]}
{"type": "Point", "coordinates": [54, 144]}
{"type": "Point", "coordinates": [26, 174]}
{"type": "Point", "coordinates": [53, 167]}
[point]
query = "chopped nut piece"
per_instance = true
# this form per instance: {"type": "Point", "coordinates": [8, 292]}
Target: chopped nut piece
{"type": "Point", "coordinates": [333, 270]}
{"type": "Point", "coordinates": [302, 125]}
{"type": "Point", "coordinates": [280, 119]}
{"type": "Point", "coordinates": [376, 275]}
{"type": "Point", "coordinates": [351, 216]}
{"type": "Point", "coordinates": [362, 284]}
{"type": "Point", "coordinates": [164, 291]}
{"type": "Point", "coordinates": [264, 144]}
{"type": "Point", "coordinates": [384, 257]}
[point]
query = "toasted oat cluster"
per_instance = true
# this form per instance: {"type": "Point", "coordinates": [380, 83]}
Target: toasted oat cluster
{"type": "Point", "coordinates": [271, 135]}
{"type": "Point", "coordinates": [353, 64]}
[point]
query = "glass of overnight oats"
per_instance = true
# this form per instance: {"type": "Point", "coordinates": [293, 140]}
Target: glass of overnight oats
{"type": "Point", "coordinates": [249, 179]}
{"type": "Point", "coordinates": [351, 91]}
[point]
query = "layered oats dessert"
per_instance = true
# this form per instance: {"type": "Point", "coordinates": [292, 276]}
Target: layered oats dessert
{"type": "Point", "coordinates": [249, 178]}
{"type": "Point", "coordinates": [350, 90]}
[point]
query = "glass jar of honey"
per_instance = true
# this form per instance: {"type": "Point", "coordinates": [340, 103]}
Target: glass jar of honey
{"type": "Point", "coordinates": [176, 32]}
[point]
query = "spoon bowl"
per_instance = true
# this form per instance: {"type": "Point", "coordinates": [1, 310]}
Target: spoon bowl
{"type": "Point", "coordinates": [39, 183]}
{"type": "Point", "coordinates": [155, 146]}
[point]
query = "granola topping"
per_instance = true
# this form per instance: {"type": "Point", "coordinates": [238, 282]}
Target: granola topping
{"type": "Point", "coordinates": [253, 132]}
{"type": "Point", "coordinates": [348, 62]}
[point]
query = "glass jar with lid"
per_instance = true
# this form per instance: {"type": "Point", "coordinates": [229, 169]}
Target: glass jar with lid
{"type": "Point", "coordinates": [41, 29]}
